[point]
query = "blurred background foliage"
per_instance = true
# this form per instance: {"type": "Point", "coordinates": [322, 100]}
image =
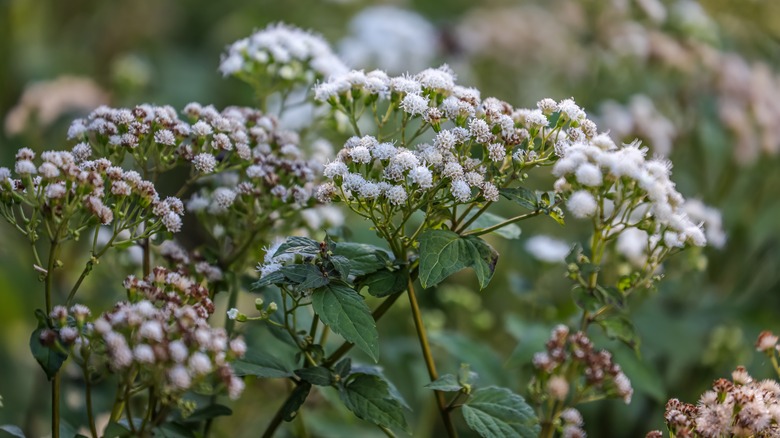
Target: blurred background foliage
{"type": "Point", "coordinates": [698, 80]}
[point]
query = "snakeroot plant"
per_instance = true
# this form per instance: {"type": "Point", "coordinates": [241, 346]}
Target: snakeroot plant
{"type": "Point", "coordinates": [423, 161]}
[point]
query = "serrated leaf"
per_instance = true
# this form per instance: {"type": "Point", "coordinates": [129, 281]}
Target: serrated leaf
{"type": "Point", "coordinates": [208, 412]}
{"type": "Point", "coordinates": [304, 276]}
{"type": "Point", "coordinates": [347, 314]}
{"type": "Point", "coordinates": [384, 283]}
{"type": "Point", "coordinates": [446, 383]}
{"type": "Point", "coordinates": [622, 329]}
{"type": "Point", "coordinates": [12, 430]}
{"type": "Point", "coordinates": [275, 277]}
{"type": "Point", "coordinates": [522, 196]}
{"type": "Point", "coordinates": [485, 220]}
{"type": "Point", "coordinates": [443, 253]}
{"type": "Point", "coordinates": [341, 265]}
{"type": "Point", "coordinates": [376, 370]}
{"type": "Point", "coordinates": [369, 398]}
{"type": "Point", "coordinates": [363, 258]}
{"type": "Point", "coordinates": [260, 364]}
{"type": "Point", "coordinates": [298, 245]}
{"type": "Point", "coordinates": [318, 375]}
{"type": "Point", "coordinates": [295, 400]}
{"type": "Point", "coordinates": [494, 412]}
{"type": "Point", "coordinates": [49, 359]}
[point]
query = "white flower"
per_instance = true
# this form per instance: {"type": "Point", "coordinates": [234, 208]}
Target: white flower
{"type": "Point", "coordinates": [360, 154]}
{"type": "Point", "coordinates": [233, 313]}
{"type": "Point", "coordinates": [179, 378]}
{"type": "Point", "coordinates": [199, 364]}
{"type": "Point", "coordinates": [396, 195]}
{"type": "Point", "coordinates": [178, 351]}
{"type": "Point", "coordinates": [422, 177]}
{"type": "Point", "coordinates": [589, 175]}
{"type": "Point", "coordinates": [143, 354]}
{"type": "Point", "coordinates": [582, 204]}
{"type": "Point", "coordinates": [414, 104]}
{"type": "Point", "coordinates": [25, 167]}
{"type": "Point", "coordinates": [460, 190]}
{"type": "Point", "coordinates": [547, 249]}
{"type": "Point", "coordinates": [496, 152]}
{"type": "Point", "coordinates": [571, 110]}
{"type": "Point", "coordinates": [204, 162]}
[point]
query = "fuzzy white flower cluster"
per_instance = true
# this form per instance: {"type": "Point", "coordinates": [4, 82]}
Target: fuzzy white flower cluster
{"type": "Point", "coordinates": [366, 170]}
{"type": "Point", "coordinates": [282, 51]}
{"type": "Point", "coordinates": [164, 335]}
{"type": "Point", "coordinates": [628, 193]}
{"type": "Point", "coordinates": [547, 249]}
{"type": "Point", "coordinates": [271, 261]}
{"type": "Point", "coordinates": [66, 179]}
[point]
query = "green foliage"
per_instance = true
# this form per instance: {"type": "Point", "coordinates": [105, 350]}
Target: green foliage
{"type": "Point", "coordinates": [345, 311]}
{"type": "Point", "coordinates": [368, 396]}
{"type": "Point", "coordinates": [259, 363]}
{"type": "Point", "coordinates": [443, 253]}
{"type": "Point", "coordinates": [497, 412]}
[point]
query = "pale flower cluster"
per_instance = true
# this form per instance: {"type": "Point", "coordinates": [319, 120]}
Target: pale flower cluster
{"type": "Point", "coordinates": [65, 179]}
{"type": "Point", "coordinates": [163, 334]}
{"type": "Point", "coordinates": [281, 51]}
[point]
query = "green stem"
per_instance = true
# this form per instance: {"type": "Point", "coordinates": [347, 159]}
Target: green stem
{"type": "Point", "coordinates": [55, 384]}
{"type": "Point", "coordinates": [428, 356]}
{"type": "Point", "coordinates": [500, 224]}
{"type": "Point", "coordinates": [88, 391]}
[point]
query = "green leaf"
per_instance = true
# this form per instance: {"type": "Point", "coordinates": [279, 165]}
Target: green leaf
{"type": "Point", "coordinates": [443, 253]}
{"type": "Point", "coordinates": [114, 430]}
{"type": "Point", "coordinates": [318, 375]}
{"type": "Point", "coordinates": [341, 265]}
{"type": "Point", "coordinates": [298, 245]}
{"type": "Point", "coordinates": [384, 282]}
{"type": "Point", "coordinates": [520, 195]}
{"type": "Point", "coordinates": [363, 258]}
{"type": "Point", "coordinates": [622, 329]}
{"type": "Point", "coordinates": [12, 430]}
{"type": "Point", "coordinates": [305, 276]}
{"type": "Point", "coordinates": [368, 397]}
{"type": "Point", "coordinates": [498, 412]}
{"type": "Point", "coordinates": [446, 383]}
{"type": "Point", "coordinates": [260, 364]}
{"type": "Point", "coordinates": [49, 359]}
{"type": "Point", "coordinates": [275, 277]}
{"type": "Point", "coordinates": [343, 367]}
{"type": "Point", "coordinates": [172, 430]}
{"type": "Point", "coordinates": [347, 314]}
{"type": "Point", "coordinates": [485, 220]}
{"type": "Point", "coordinates": [295, 401]}
{"type": "Point", "coordinates": [208, 412]}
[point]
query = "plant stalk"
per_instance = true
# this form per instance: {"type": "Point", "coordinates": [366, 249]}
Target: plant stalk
{"type": "Point", "coordinates": [429, 362]}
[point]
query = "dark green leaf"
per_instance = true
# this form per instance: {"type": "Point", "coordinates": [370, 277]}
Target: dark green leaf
{"type": "Point", "coordinates": [208, 412]}
{"type": "Point", "coordinates": [447, 383]}
{"type": "Point", "coordinates": [295, 401]}
{"type": "Point", "coordinates": [341, 265]}
{"type": "Point", "coordinates": [298, 245]}
{"type": "Point", "coordinates": [305, 276]}
{"type": "Point", "coordinates": [620, 328]}
{"type": "Point", "coordinates": [114, 430]}
{"type": "Point", "coordinates": [320, 376]}
{"type": "Point", "coordinates": [497, 412]}
{"type": "Point", "coordinates": [275, 277]}
{"type": "Point", "coordinates": [369, 398]}
{"type": "Point", "coordinates": [363, 259]}
{"type": "Point", "coordinates": [50, 360]}
{"type": "Point", "coordinates": [520, 195]}
{"type": "Point", "coordinates": [485, 220]}
{"type": "Point", "coordinates": [384, 282]}
{"type": "Point", "coordinates": [375, 370]}
{"type": "Point", "coordinates": [343, 367]}
{"type": "Point", "coordinates": [347, 314]}
{"type": "Point", "coordinates": [443, 253]}
{"type": "Point", "coordinates": [172, 430]}
{"type": "Point", "coordinates": [12, 430]}
{"type": "Point", "coordinates": [585, 300]}
{"type": "Point", "coordinates": [260, 364]}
